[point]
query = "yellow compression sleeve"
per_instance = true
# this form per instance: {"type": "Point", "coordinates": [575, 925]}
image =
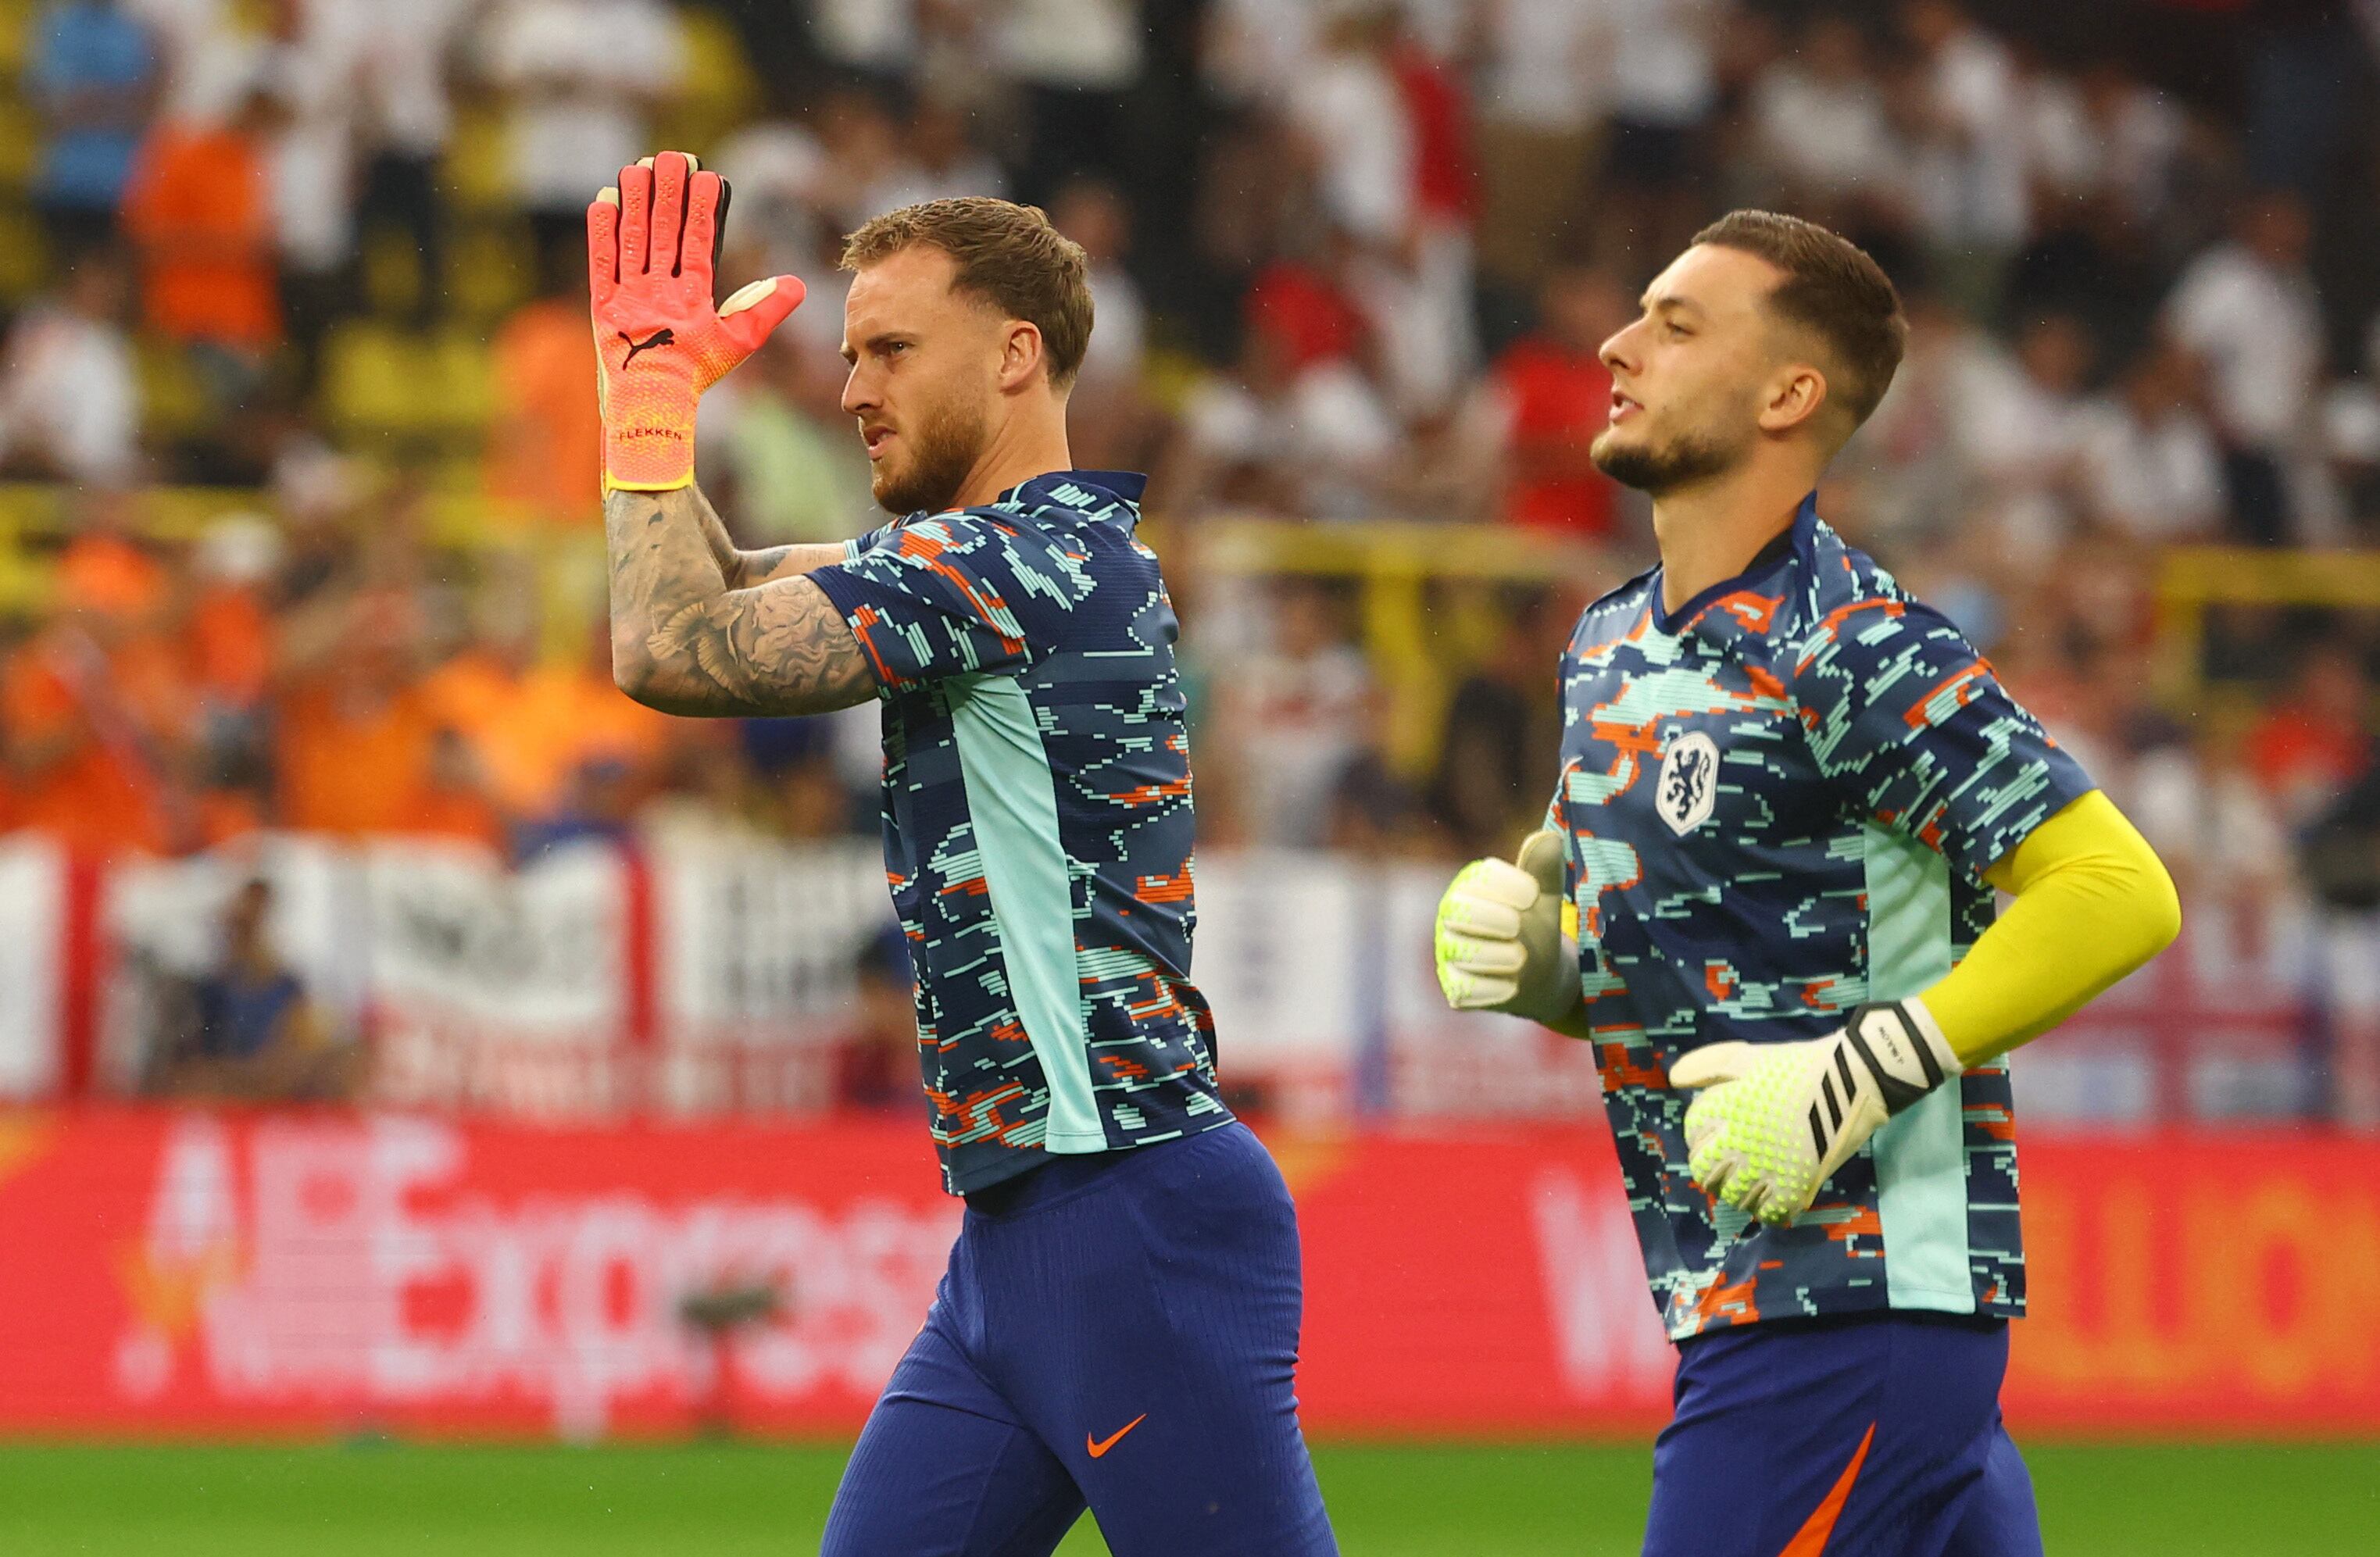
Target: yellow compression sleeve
{"type": "Point", "coordinates": [2093, 903]}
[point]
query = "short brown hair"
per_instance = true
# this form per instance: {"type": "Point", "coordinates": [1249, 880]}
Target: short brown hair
{"type": "Point", "coordinates": [1007, 254]}
{"type": "Point", "coordinates": [1832, 288]}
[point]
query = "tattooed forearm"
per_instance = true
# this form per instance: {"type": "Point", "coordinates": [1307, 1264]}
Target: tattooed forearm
{"type": "Point", "coordinates": [782, 647]}
{"type": "Point", "coordinates": [687, 637]}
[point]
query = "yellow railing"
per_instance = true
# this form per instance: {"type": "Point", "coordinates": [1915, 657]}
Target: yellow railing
{"type": "Point", "coordinates": [1426, 596]}
{"type": "Point", "coordinates": [2194, 580]}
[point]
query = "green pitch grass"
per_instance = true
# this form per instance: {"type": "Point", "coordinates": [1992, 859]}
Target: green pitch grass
{"type": "Point", "coordinates": [1574, 1499]}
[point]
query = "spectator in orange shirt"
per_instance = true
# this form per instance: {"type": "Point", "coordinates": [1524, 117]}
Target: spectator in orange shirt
{"type": "Point", "coordinates": [354, 740]}
{"type": "Point", "coordinates": [2308, 750]}
{"type": "Point", "coordinates": [93, 707]}
{"type": "Point", "coordinates": [452, 801]}
{"type": "Point", "coordinates": [546, 442]}
{"type": "Point", "coordinates": [1556, 396]}
{"type": "Point", "coordinates": [229, 634]}
{"type": "Point", "coordinates": [533, 726]}
{"type": "Point", "coordinates": [200, 209]}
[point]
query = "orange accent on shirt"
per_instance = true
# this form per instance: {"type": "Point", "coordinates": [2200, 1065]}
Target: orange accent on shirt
{"type": "Point", "coordinates": [1620, 1071]}
{"type": "Point", "coordinates": [1163, 889]}
{"type": "Point", "coordinates": [1864, 1221]}
{"type": "Point", "coordinates": [1964, 680]}
{"type": "Point", "coordinates": [1841, 614]}
{"type": "Point", "coordinates": [76, 722]}
{"type": "Point", "coordinates": [1735, 1303]}
{"type": "Point", "coordinates": [1755, 612]}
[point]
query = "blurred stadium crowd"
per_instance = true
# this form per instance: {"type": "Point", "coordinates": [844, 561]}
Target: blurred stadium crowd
{"type": "Point", "coordinates": [300, 527]}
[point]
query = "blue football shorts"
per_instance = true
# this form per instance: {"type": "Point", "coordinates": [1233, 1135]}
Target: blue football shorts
{"type": "Point", "coordinates": [1869, 1436]}
{"type": "Point", "coordinates": [1117, 1331]}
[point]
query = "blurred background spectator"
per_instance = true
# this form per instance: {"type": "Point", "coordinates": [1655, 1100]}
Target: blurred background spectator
{"type": "Point", "coordinates": [245, 1029]}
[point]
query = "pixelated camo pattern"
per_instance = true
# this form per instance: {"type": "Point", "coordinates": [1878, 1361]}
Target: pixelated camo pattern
{"type": "Point", "coordinates": [1048, 585]}
{"type": "Point", "coordinates": [1722, 779]}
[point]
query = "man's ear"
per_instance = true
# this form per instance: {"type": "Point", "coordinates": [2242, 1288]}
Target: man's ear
{"type": "Point", "coordinates": [1021, 354]}
{"type": "Point", "coordinates": [1795, 394]}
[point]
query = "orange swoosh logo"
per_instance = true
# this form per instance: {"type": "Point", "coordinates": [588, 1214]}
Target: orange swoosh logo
{"type": "Point", "coordinates": [1810, 1540]}
{"type": "Point", "coordinates": [1098, 1446]}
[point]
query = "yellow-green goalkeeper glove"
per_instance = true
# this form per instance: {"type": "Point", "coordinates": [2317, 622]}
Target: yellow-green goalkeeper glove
{"type": "Point", "coordinates": [1499, 946]}
{"type": "Point", "coordinates": [652, 243]}
{"type": "Point", "coordinates": [1777, 1119]}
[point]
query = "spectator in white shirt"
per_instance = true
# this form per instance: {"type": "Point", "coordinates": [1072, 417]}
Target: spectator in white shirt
{"type": "Point", "coordinates": [2210, 822]}
{"type": "Point", "coordinates": [313, 66]}
{"type": "Point", "coordinates": [1545, 87]}
{"type": "Point", "coordinates": [1076, 62]}
{"type": "Point", "coordinates": [584, 77]}
{"type": "Point", "coordinates": [1255, 51]}
{"type": "Point", "coordinates": [2248, 309]}
{"type": "Point", "coordinates": [2151, 466]}
{"type": "Point", "coordinates": [2020, 428]}
{"type": "Point", "coordinates": [1975, 203]}
{"type": "Point", "coordinates": [943, 160]}
{"type": "Point", "coordinates": [875, 38]}
{"type": "Point", "coordinates": [405, 117]}
{"type": "Point", "coordinates": [2130, 144]}
{"type": "Point", "coordinates": [1818, 118]}
{"type": "Point", "coordinates": [70, 399]}
{"type": "Point", "coordinates": [1353, 117]}
{"type": "Point", "coordinates": [1664, 81]}
{"type": "Point", "coordinates": [1301, 710]}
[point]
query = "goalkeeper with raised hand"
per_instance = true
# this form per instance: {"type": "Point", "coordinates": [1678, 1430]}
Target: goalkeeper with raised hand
{"type": "Point", "coordinates": [1118, 1326]}
{"type": "Point", "coordinates": [1788, 791]}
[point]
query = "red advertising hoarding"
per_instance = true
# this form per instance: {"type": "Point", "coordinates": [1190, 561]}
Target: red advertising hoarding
{"type": "Point", "coordinates": [184, 1271]}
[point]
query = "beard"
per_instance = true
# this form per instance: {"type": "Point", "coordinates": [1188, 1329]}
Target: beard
{"type": "Point", "coordinates": [1681, 462]}
{"type": "Point", "coordinates": [942, 452]}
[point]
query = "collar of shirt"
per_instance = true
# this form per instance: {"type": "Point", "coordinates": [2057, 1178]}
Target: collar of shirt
{"type": "Point", "coordinates": [1091, 490]}
{"type": "Point", "coordinates": [1792, 542]}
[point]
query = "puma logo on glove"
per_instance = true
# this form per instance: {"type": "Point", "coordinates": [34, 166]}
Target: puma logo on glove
{"type": "Point", "coordinates": [658, 337]}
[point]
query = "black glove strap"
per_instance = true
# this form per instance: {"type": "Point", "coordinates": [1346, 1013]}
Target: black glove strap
{"type": "Point", "coordinates": [1896, 1089]}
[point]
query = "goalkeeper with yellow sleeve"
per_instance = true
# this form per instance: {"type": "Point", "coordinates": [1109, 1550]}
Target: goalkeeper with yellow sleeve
{"type": "Point", "coordinates": [1788, 790]}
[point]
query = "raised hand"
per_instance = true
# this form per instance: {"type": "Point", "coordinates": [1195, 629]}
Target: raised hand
{"type": "Point", "coordinates": [653, 242]}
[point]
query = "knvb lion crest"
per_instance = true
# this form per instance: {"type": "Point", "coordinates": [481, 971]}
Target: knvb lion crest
{"type": "Point", "coordinates": [1689, 782]}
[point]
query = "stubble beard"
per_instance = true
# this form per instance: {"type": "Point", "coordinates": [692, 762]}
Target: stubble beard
{"type": "Point", "coordinates": [1684, 461]}
{"type": "Point", "coordinates": [944, 450]}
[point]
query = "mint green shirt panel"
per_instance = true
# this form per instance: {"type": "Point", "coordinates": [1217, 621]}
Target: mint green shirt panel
{"type": "Point", "coordinates": [1921, 1158]}
{"type": "Point", "coordinates": [1013, 800]}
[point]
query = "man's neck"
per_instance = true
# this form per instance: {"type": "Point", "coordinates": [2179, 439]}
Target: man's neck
{"type": "Point", "coordinates": [1024, 448]}
{"type": "Point", "coordinates": [1710, 532]}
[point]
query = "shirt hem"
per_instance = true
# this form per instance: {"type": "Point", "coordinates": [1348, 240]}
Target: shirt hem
{"type": "Point", "coordinates": [1027, 1159]}
{"type": "Point", "coordinates": [1968, 1305]}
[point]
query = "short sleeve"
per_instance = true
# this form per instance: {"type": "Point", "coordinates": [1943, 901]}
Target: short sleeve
{"type": "Point", "coordinates": [1905, 716]}
{"type": "Point", "coordinates": [931, 598]}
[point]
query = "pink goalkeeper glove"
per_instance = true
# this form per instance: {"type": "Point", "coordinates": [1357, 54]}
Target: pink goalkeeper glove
{"type": "Point", "coordinates": [652, 245]}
